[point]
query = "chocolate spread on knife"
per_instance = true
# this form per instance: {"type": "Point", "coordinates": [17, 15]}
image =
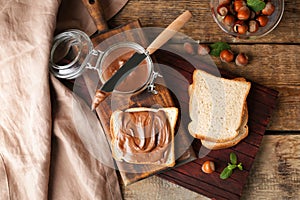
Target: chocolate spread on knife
{"type": "Point", "coordinates": [98, 98]}
{"type": "Point", "coordinates": [143, 136]}
{"type": "Point", "coordinates": [136, 79]}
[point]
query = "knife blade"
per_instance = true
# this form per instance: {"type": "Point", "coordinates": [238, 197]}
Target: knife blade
{"type": "Point", "coordinates": [123, 72]}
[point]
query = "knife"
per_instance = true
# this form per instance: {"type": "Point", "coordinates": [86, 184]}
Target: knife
{"type": "Point", "coordinates": [137, 58]}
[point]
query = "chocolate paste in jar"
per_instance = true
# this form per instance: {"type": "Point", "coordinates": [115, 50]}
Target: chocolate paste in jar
{"type": "Point", "coordinates": [143, 136]}
{"type": "Point", "coordinates": [135, 80]}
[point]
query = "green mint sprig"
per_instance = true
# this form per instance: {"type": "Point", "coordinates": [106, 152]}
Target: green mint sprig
{"type": "Point", "coordinates": [227, 171]}
{"type": "Point", "coordinates": [217, 47]}
{"type": "Point", "coordinates": [256, 5]}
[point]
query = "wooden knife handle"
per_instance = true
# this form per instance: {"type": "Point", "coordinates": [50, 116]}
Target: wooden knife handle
{"type": "Point", "coordinates": [169, 32]}
{"type": "Point", "coordinates": [95, 9]}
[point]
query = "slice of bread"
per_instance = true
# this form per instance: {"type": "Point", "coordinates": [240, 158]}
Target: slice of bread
{"type": "Point", "coordinates": [243, 133]}
{"type": "Point", "coordinates": [216, 106]}
{"type": "Point", "coordinates": [140, 148]}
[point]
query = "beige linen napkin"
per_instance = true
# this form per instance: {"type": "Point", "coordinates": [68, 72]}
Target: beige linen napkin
{"type": "Point", "coordinates": [42, 155]}
{"type": "Point", "coordinates": [81, 158]}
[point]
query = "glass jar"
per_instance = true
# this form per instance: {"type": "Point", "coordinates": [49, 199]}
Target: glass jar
{"type": "Point", "coordinates": [72, 53]}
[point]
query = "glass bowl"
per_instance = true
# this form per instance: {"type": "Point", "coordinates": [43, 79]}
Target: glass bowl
{"type": "Point", "coordinates": [274, 20]}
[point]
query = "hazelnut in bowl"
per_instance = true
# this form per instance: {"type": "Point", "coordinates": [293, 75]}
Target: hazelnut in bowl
{"type": "Point", "coordinates": [247, 18]}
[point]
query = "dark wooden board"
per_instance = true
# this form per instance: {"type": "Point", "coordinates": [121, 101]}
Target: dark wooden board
{"type": "Point", "coordinates": [261, 102]}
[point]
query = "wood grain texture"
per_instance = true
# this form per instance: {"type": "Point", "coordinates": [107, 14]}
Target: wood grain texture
{"type": "Point", "coordinates": [276, 172]}
{"type": "Point", "coordinates": [159, 13]}
{"type": "Point", "coordinates": [279, 180]}
{"type": "Point", "coordinates": [95, 9]}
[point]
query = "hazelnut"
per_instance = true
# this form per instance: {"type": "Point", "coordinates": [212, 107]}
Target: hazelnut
{"type": "Point", "coordinates": [240, 27]}
{"type": "Point", "coordinates": [243, 13]}
{"type": "Point", "coordinates": [222, 10]}
{"type": "Point", "coordinates": [229, 20]}
{"type": "Point", "coordinates": [203, 49]}
{"type": "Point", "coordinates": [269, 9]}
{"type": "Point", "coordinates": [208, 167]}
{"type": "Point", "coordinates": [241, 59]}
{"type": "Point", "coordinates": [253, 26]}
{"type": "Point", "coordinates": [189, 48]}
{"type": "Point", "coordinates": [226, 56]}
{"type": "Point", "coordinates": [238, 4]}
{"type": "Point", "coordinates": [224, 2]}
{"type": "Point", "coordinates": [262, 20]}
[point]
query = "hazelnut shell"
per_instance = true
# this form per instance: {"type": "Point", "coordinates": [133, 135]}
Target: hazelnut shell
{"type": "Point", "coordinates": [253, 26]}
{"type": "Point", "coordinates": [269, 9]}
{"type": "Point", "coordinates": [238, 4]}
{"type": "Point", "coordinates": [226, 56]}
{"type": "Point", "coordinates": [208, 167]}
{"type": "Point", "coordinates": [243, 13]}
{"type": "Point", "coordinates": [229, 20]}
{"type": "Point", "coordinates": [241, 59]}
{"type": "Point", "coordinates": [224, 2]}
{"type": "Point", "coordinates": [240, 27]}
{"type": "Point", "coordinates": [262, 20]}
{"type": "Point", "coordinates": [203, 49]}
{"type": "Point", "coordinates": [222, 10]}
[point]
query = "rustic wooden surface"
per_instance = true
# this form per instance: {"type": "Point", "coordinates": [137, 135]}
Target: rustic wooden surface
{"type": "Point", "coordinates": [274, 63]}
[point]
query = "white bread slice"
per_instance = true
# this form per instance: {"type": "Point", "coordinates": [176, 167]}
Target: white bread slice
{"type": "Point", "coordinates": [243, 133]}
{"type": "Point", "coordinates": [216, 106]}
{"type": "Point", "coordinates": [145, 157]}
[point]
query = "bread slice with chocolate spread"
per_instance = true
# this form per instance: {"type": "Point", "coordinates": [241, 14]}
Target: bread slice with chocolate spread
{"type": "Point", "coordinates": [144, 135]}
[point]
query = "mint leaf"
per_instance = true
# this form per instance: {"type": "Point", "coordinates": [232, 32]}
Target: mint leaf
{"type": "Point", "coordinates": [217, 47]}
{"type": "Point", "coordinates": [231, 167]}
{"type": "Point", "coordinates": [233, 158]}
{"type": "Point", "coordinates": [256, 5]}
{"type": "Point", "coordinates": [226, 173]}
{"type": "Point", "coordinates": [240, 166]}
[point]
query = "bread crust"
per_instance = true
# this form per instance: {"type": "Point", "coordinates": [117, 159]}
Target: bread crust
{"type": "Point", "coordinates": [243, 133]}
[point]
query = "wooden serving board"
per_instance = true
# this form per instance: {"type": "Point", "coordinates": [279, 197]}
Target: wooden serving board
{"type": "Point", "coordinates": [261, 102]}
{"type": "Point", "coordinates": [132, 172]}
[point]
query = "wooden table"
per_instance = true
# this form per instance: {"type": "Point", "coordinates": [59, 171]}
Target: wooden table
{"type": "Point", "coordinates": [274, 63]}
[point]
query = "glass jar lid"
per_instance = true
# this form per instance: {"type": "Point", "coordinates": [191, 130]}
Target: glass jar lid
{"type": "Point", "coordinates": [69, 54]}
